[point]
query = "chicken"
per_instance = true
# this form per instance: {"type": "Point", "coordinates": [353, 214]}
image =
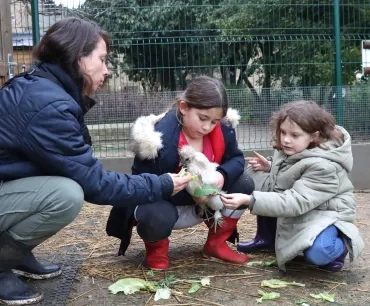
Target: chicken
{"type": "Point", "coordinates": [203, 171]}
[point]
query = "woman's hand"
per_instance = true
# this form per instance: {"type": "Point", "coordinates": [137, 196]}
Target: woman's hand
{"type": "Point", "coordinates": [220, 180]}
{"type": "Point", "coordinates": [234, 200]}
{"type": "Point", "coordinates": [179, 182]}
{"type": "Point", "coordinates": [259, 163]}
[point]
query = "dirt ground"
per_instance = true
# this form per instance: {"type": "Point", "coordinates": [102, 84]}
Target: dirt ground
{"type": "Point", "coordinates": [230, 284]}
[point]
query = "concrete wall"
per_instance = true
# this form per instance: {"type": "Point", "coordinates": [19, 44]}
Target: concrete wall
{"type": "Point", "coordinates": [360, 174]}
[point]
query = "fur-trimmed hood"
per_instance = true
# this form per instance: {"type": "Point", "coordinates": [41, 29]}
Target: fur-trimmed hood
{"type": "Point", "coordinates": [146, 141]}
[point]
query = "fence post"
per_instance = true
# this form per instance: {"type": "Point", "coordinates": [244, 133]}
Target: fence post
{"type": "Point", "coordinates": [35, 22]}
{"type": "Point", "coordinates": [338, 64]}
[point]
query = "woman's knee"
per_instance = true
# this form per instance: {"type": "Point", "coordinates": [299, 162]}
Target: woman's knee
{"type": "Point", "coordinates": [156, 221]}
{"type": "Point", "coordinates": [244, 184]}
{"type": "Point", "coordinates": [66, 198]}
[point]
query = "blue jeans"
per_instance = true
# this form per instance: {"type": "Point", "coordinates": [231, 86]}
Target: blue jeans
{"type": "Point", "coordinates": [327, 247]}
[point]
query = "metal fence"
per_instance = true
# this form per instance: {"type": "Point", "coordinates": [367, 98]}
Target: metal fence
{"type": "Point", "coordinates": [266, 52]}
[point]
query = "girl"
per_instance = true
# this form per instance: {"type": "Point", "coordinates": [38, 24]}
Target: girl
{"type": "Point", "coordinates": [306, 187]}
{"type": "Point", "coordinates": [199, 119]}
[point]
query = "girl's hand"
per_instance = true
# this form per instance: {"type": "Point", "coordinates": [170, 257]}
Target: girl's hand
{"type": "Point", "coordinates": [234, 200]}
{"type": "Point", "coordinates": [220, 180]}
{"type": "Point", "coordinates": [259, 163]}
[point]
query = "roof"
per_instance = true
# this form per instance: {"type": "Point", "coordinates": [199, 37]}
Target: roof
{"type": "Point", "coordinates": [23, 39]}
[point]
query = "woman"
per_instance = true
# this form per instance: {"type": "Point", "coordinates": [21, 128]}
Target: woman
{"type": "Point", "coordinates": [47, 166]}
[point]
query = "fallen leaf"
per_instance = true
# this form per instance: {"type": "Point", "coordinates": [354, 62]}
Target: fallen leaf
{"type": "Point", "coordinates": [277, 283]}
{"type": "Point", "coordinates": [162, 294]}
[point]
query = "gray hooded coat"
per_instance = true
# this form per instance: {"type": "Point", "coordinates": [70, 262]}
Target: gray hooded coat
{"type": "Point", "coordinates": [308, 192]}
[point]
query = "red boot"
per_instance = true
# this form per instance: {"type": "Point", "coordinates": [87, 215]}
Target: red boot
{"type": "Point", "coordinates": [157, 254]}
{"type": "Point", "coordinates": [216, 245]}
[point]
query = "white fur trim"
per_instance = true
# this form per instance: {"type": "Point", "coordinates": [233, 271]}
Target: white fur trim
{"type": "Point", "coordinates": [146, 142]}
{"type": "Point", "coordinates": [233, 117]}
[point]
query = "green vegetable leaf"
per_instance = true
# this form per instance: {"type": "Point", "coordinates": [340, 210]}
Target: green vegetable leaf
{"type": "Point", "coordinates": [130, 286]}
{"type": "Point", "coordinates": [205, 189]}
{"type": "Point", "coordinates": [267, 296]}
{"type": "Point", "coordinates": [167, 282]}
{"type": "Point", "coordinates": [325, 296]}
{"type": "Point", "coordinates": [194, 287]}
{"type": "Point", "coordinates": [302, 302]}
{"type": "Point", "coordinates": [262, 263]}
{"type": "Point", "coordinates": [150, 273]}
{"type": "Point", "coordinates": [162, 294]}
{"type": "Point", "coordinates": [277, 283]}
{"type": "Point", "coordinates": [182, 172]}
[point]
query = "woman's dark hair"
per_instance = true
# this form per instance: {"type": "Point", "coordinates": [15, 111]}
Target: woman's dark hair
{"type": "Point", "coordinates": [66, 42]}
{"type": "Point", "coordinates": [204, 92]}
{"type": "Point", "coordinates": [311, 118]}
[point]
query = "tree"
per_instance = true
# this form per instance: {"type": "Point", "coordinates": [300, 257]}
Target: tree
{"type": "Point", "coordinates": [162, 42]}
{"type": "Point", "coordinates": [294, 39]}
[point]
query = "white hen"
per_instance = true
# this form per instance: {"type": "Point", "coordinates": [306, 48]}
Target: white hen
{"type": "Point", "coordinates": [198, 165]}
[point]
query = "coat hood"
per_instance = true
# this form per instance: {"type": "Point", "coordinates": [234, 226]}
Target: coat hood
{"type": "Point", "coordinates": [146, 141]}
{"type": "Point", "coordinates": [340, 153]}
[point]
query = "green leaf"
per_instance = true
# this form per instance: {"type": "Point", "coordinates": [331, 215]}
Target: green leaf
{"type": "Point", "coordinates": [194, 287]}
{"type": "Point", "coordinates": [130, 286]}
{"type": "Point", "coordinates": [150, 273]}
{"type": "Point", "coordinates": [262, 263]}
{"type": "Point", "coordinates": [205, 190]}
{"type": "Point", "coordinates": [325, 296]}
{"type": "Point", "coordinates": [167, 282]}
{"type": "Point", "coordinates": [182, 172]}
{"type": "Point", "coordinates": [302, 302]}
{"type": "Point", "coordinates": [277, 283]}
{"type": "Point", "coordinates": [162, 294]}
{"type": "Point", "coordinates": [267, 296]}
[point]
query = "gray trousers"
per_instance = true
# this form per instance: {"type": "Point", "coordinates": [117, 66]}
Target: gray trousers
{"type": "Point", "coordinates": [35, 208]}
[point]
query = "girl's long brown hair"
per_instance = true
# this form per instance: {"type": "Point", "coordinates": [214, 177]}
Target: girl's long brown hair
{"type": "Point", "coordinates": [311, 118]}
{"type": "Point", "coordinates": [204, 92]}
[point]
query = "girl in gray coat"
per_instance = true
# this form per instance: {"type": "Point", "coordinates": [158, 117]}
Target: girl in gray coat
{"type": "Point", "coordinates": [305, 186]}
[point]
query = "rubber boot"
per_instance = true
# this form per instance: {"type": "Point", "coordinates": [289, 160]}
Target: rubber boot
{"type": "Point", "coordinates": [337, 264]}
{"type": "Point", "coordinates": [33, 269]}
{"type": "Point", "coordinates": [157, 254]}
{"type": "Point", "coordinates": [12, 290]}
{"type": "Point", "coordinates": [265, 237]}
{"type": "Point", "coordinates": [216, 245]}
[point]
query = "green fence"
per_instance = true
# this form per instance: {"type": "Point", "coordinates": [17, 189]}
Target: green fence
{"type": "Point", "coordinates": [266, 52]}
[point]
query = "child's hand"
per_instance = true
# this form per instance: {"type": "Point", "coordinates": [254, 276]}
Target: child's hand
{"type": "Point", "coordinates": [259, 163]}
{"type": "Point", "coordinates": [234, 200]}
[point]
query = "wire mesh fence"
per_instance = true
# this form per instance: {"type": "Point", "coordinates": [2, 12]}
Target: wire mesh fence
{"type": "Point", "coordinates": [111, 119]}
{"type": "Point", "coordinates": [266, 53]}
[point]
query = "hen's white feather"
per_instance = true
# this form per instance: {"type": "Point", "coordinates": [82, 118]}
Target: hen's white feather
{"type": "Point", "coordinates": [197, 164]}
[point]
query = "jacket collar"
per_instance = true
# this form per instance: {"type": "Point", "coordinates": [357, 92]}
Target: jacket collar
{"type": "Point", "coordinates": [69, 85]}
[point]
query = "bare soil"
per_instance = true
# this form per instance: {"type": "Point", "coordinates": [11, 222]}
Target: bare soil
{"type": "Point", "coordinates": [230, 284]}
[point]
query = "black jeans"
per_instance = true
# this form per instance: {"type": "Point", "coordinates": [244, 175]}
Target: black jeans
{"type": "Point", "coordinates": [155, 221]}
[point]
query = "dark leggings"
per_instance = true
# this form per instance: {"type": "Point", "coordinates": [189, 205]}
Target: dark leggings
{"type": "Point", "coordinates": [156, 221]}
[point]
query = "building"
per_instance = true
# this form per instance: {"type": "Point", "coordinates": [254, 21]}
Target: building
{"type": "Point", "coordinates": [21, 18]}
